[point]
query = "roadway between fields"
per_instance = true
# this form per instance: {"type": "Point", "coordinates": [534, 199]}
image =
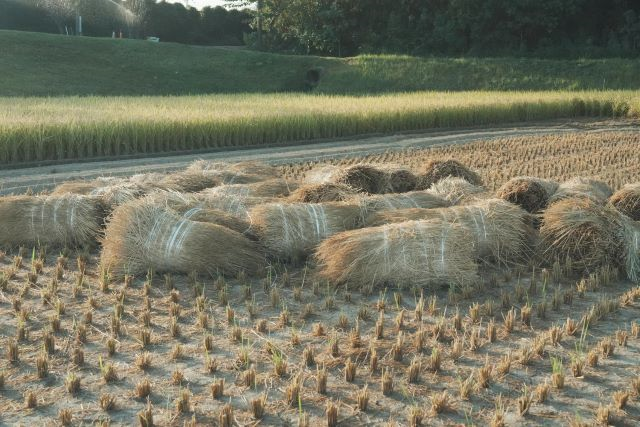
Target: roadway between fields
{"type": "Point", "coordinates": [15, 181]}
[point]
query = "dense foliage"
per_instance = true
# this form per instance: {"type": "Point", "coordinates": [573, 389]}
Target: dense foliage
{"type": "Point", "coordinates": [348, 27]}
{"type": "Point", "coordinates": [549, 27]}
{"type": "Point", "coordinates": [134, 18]}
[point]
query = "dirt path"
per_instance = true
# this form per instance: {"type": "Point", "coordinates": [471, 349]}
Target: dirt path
{"type": "Point", "coordinates": [41, 178]}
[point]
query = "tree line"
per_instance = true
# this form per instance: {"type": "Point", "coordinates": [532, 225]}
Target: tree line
{"type": "Point", "coordinates": [349, 27]}
{"type": "Point", "coordinates": [452, 27]}
{"type": "Point", "coordinates": [171, 22]}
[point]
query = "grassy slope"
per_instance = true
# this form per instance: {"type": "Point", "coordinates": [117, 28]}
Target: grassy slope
{"type": "Point", "coordinates": [33, 64]}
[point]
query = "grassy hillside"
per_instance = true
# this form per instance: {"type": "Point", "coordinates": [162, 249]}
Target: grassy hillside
{"type": "Point", "coordinates": [33, 64]}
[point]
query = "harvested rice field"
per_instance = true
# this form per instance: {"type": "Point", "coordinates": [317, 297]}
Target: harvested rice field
{"type": "Point", "coordinates": [445, 286]}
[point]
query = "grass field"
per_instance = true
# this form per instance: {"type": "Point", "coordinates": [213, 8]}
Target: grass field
{"type": "Point", "coordinates": [33, 64]}
{"type": "Point", "coordinates": [72, 128]}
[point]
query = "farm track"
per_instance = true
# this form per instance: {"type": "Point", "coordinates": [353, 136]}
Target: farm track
{"type": "Point", "coordinates": [46, 177]}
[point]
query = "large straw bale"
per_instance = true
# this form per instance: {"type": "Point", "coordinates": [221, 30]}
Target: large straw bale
{"type": "Point", "coordinates": [499, 231]}
{"type": "Point", "coordinates": [63, 220]}
{"type": "Point", "coordinates": [627, 201]}
{"type": "Point", "coordinates": [455, 190]}
{"type": "Point", "coordinates": [321, 193]}
{"type": "Point", "coordinates": [422, 253]}
{"type": "Point", "coordinates": [143, 235]}
{"type": "Point", "coordinates": [591, 234]}
{"type": "Point", "coordinates": [271, 188]}
{"type": "Point", "coordinates": [436, 170]}
{"type": "Point", "coordinates": [595, 190]}
{"type": "Point", "coordinates": [530, 193]}
{"type": "Point", "coordinates": [291, 231]}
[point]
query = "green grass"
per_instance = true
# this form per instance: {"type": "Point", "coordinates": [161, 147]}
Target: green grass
{"type": "Point", "coordinates": [33, 64]}
{"type": "Point", "coordinates": [70, 128]}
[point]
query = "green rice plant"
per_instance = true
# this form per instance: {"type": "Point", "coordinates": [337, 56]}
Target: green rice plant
{"type": "Point", "coordinates": [51, 129]}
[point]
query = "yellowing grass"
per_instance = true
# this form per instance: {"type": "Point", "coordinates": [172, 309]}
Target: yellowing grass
{"type": "Point", "coordinates": [44, 129]}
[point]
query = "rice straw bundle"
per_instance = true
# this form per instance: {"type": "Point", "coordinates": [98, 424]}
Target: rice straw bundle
{"type": "Point", "coordinates": [632, 249]}
{"type": "Point", "coordinates": [190, 207]}
{"type": "Point", "coordinates": [292, 231]}
{"type": "Point", "coordinates": [143, 235]}
{"type": "Point", "coordinates": [119, 194]}
{"type": "Point", "coordinates": [455, 190]}
{"type": "Point", "coordinates": [235, 173]}
{"type": "Point", "coordinates": [627, 201]}
{"type": "Point", "coordinates": [75, 187]}
{"type": "Point", "coordinates": [387, 202]}
{"type": "Point", "coordinates": [396, 179]}
{"type": "Point", "coordinates": [270, 188]}
{"type": "Point", "coordinates": [423, 253]}
{"type": "Point", "coordinates": [582, 187]}
{"type": "Point", "coordinates": [436, 170]}
{"type": "Point", "coordinates": [592, 235]}
{"type": "Point", "coordinates": [321, 193]}
{"type": "Point", "coordinates": [498, 231]}
{"type": "Point", "coordinates": [236, 205]}
{"type": "Point", "coordinates": [189, 181]}
{"type": "Point", "coordinates": [363, 178]}
{"type": "Point", "coordinates": [148, 181]}
{"type": "Point", "coordinates": [531, 194]}
{"type": "Point", "coordinates": [322, 175]}
{"type": "Point", "coordinates": [65, 220]}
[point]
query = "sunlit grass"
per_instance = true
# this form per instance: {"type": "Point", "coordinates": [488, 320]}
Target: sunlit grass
{"type": "Point", "coordinates": [39, 129]}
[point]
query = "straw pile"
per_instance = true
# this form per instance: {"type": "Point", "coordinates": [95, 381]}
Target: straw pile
{"type": "Point", "coordinates": [190, 207]}
{"type": "Point", "coordinates": [455, 190]}
{"type": "Point", "coordinates": [627, 201]}
{"type": "Point", "coordinates": [115, 195]}
{"type": "Point", "coordinates": [322, 175]}
{"type": "Point", "coordinates": [436, 170]}
{"type": "Point", "coordinates": [143, 236]}
{"type": "Point", "coordinates": [68, 220]}
{"type": "Point", "coordinates": [236, 205]}
{"type": "Point", "coordinates": [579, 187]}
{"type": "Point", "coordinates": [498, 231]}
{"type": "Point", "coordinates": [189, 181]}
{"type": "Point", "coordinates": [321, 193]}
{"type": "Point", "coordinates": [592, 235]}
{"type": "Point", "coordinates": [75, 187]}
{"type": "Point", "coordinates": [271, 188]}
{"type": "Point", "coordinates": [234, 173]}
{"type": "Point", "coordinates": [397, 180]}
{"type": "Point", "coordinates": [531, 194]}
{"type": "Point", "coordinates": [632, 249]}
{"type": "Point", "coordinates": [423, 253]}
{"type": "Point", "coordinates": [292, 231]}
{"type": "Point", "coordinates": [363, 178]}
{"type": "Point", "coordinates": [387, 202]}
